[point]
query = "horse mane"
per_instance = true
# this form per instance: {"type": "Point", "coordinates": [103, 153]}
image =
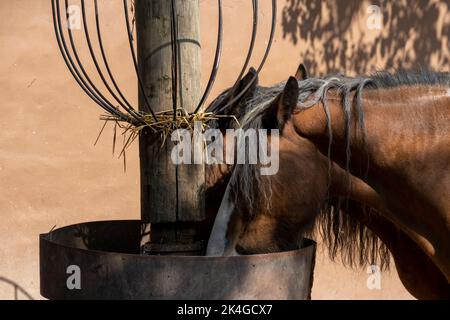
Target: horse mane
{"type": "Point", "coordinates": [384, 79]}
{"type": "Point", "coordinates": [315, 90]}
{"type": "Point", "coordinates": [342, 234]}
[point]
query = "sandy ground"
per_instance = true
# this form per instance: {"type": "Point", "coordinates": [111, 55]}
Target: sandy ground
{"type": "Point", "coordinates": [51, 173]}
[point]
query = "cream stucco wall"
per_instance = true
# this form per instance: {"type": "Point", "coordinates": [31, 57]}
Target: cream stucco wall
{"type": "Point", "coordinates": [50, 172]}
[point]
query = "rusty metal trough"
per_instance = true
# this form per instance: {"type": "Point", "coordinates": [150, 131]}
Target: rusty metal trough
{"type": "Point", "coordinates": [111, 267]}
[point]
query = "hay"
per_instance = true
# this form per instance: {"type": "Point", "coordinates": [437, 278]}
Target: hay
{"type": "Point", "coordinates": [162, 127]}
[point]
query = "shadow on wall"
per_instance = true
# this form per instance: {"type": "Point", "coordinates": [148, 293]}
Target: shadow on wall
{"type": "Point", "coordinates": [358, 37]}
{"type": "Point", "coordinates": [16, 289]}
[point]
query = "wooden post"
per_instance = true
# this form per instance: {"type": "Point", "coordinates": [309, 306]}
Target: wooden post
{"type": "Point", "coordinates": [172, 197]}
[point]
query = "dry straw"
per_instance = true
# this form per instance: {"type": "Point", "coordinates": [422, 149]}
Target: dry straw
{"type": "Point", "coordinates": [161, 127]}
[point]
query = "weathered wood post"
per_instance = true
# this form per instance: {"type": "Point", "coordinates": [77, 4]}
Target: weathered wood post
{"type": "Point", "coordinates": [172, 197]}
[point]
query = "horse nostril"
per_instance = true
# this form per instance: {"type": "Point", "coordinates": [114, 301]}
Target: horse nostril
{"type": "Point", "coordinates": [241, 250]}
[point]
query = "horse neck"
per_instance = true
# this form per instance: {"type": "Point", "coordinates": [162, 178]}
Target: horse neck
{"type": "Point", "coordinates": [403, 156]}
{"type": "Point", "coordinates": [398, 122]}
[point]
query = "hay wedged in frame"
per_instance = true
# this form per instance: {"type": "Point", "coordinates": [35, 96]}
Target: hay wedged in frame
{"type": "Point", "coordinates": [162, 126]}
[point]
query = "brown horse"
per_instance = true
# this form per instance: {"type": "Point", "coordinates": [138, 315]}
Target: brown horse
{"type": "Point", "coordinates": [295, 205]}
{"type": "Point", "coordinates": [400, 128]}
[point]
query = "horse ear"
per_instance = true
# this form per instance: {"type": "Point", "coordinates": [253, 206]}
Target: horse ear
{"type": "Point", "coordinates": [237, 108]}
{"type": "Point", "coordinates": [282, 107]}
{"type": "Point", "coordinates": [302, 73]}
{"type": "Point", "coordinates": [246, 80]}
{"type": "Point", "coordinates": [290, 94]}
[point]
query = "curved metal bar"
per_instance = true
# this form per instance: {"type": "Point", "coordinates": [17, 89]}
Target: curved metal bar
{"type": "Point", "coordinates": [269, 45]}
{"type": "Point", "coordinates": [133, 54]}
{"type": "Point", "coordinates": [105, 61]}
{"type": "Point", "coordinates": [175, 55]}
{"type": "Point", "coordinates": [223, 102]}
{"type": "Point", "coordinates": [180, 72]}
{"type": "Point", "coordinates": [68, 59]}
{"type": "Point", "coordinates": [94, 59]}
{"type": "Point", "coordinates": [67, 62]}
{"type": "Point", "coordinates": [250, 49]}
{"type": "Point", "coordinates": [17, 288]}
{"type": "Point", "coordinates": [216, 63]}
{"type": "Point", "coordinates": [73, 69]}
{"type": "Point", "coordinates": [77, 58]}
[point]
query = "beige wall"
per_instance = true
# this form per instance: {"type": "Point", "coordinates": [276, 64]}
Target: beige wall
{"type": "Point", "coordinates": [50, 172]}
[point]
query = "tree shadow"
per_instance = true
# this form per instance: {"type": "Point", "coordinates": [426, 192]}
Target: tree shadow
{"type": "Point", "coordinates": [338, 36]}
{"type": "Point", "coordinates": [16, 289]}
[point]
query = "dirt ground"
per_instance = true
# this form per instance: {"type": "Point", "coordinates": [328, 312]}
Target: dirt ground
{"type": "Point", "coordinates": [51, 173]}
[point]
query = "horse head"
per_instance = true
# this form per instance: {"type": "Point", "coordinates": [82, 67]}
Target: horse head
{"type": "Point", "coordinates": [267, 213]}
{"type": "Point", "coordinates": [271, 213]}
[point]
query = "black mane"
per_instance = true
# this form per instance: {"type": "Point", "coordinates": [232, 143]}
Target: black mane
{"type": "Point", "coordinates": [385, 79]}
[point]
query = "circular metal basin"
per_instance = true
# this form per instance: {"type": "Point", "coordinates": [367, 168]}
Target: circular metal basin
{"type": "Point", "coordinates": [103, 259]}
